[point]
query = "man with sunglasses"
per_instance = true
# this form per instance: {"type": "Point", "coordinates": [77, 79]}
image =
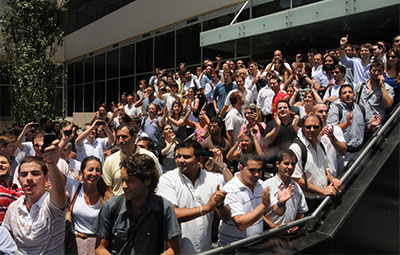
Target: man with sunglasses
{"type": "Point", "coordinates": [313, 176]}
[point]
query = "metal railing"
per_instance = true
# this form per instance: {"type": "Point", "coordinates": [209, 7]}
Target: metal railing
{"type": "Point", "coordinates": [314, 216]}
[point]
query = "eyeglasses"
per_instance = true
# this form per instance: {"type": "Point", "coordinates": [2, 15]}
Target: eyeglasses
{"type": "Point", "coordinates": [315, 127]}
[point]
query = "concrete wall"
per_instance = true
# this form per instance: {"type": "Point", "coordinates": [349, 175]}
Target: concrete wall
{"type": "Point", "coordinates": [138, 17]}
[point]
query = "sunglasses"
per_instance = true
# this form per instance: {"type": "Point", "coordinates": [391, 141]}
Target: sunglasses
{"type": "Point", "coordinates": [336, 72]}
{"type": "Point", "coordinates": [312, 126]}
{"type": "Point", "coordinates": [391, 56]}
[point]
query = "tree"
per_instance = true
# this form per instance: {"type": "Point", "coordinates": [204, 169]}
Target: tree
{"type": "Point", "coordinates": [32, 30]}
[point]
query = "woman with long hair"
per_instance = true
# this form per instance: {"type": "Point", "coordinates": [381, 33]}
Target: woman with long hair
{"type": "Point", "coordinates": [166, 148]}
{"type": "Point", "coordinates": [245, 144]}
{"type": "Point", "coordinates": [175, 119]}
{"type": "Point", "coordinates": [86, 199]}
{"type": "Point", "coordinates": [254, 124]}
{"type": "Point", "coordinates": [310, 98]}
{"type": "Point", "coordinates": [392, 72]}
{"type": "Point", "coordinates": [200, 128]}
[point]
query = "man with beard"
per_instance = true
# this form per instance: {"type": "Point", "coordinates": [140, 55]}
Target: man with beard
{"type": "Point", "coordinates": [149, 98]}
{"type": "Point", "coordinates": [195, 195]}
{"type": "Point", "coordinates": [280, 132]}
{"type": "Point", "coordinates": [353, 120]}
{"type": "Point", "coordinates": [151, 123]}
{"type": "Point", "coordinates": [325, 78]}
{"type": "Point", "coordinates": [375, 95]}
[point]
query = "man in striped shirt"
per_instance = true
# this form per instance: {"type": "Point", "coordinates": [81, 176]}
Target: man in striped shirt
{"type": "Point", "coordinates": [248, 199]}
{"type": "Point", "coordinates": [36, 220]}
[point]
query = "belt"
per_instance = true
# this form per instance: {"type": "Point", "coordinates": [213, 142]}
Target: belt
{"type": "Point", "coordinates": [84, 236]}
{"type": "Point", "coordinates": [352, 149]}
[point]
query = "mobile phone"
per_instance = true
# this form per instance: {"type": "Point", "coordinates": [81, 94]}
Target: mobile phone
{"type": "Point", "coordinates": [47, 140]}
{"type": "Point", "coordinates": [35, 125]}
{"type": "Point", "coordinates": [67, 132]}
{"type": "Point", "coordinates": [254, 131]}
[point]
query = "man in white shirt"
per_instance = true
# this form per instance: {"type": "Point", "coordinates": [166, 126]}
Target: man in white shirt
{"type": "Point", "coordinates": [247, 95]}
{"type": "Point", "coordinates": [36, 220]}
{"type": "Point", "coordinates": [248, 200]}
{"type": "Point", "coordinates": [88, 145]}
{"type": "Point", "coordinates": [234, 119]}
{"type": "Point", "coordinates": [130, 108]}
{"type": "Point", "coordinates": [296, 207]}
{"type": "Point", "coordinates": [195, 195]}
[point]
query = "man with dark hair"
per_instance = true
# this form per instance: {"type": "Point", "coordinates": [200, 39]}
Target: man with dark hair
{"type": "Point", "coordinates": [138, 221]}
{"type": "Point", "coordinates": [296, 207]}
{"type": "Point", "coordinates": [149, 98]}
{"type": "Point", "coordinates": [146, 143]}
{"type": "Point", "coordinates": [215, 141]}
{"type": "Point", "coordinates": [325, 77]}
{"type": "Point", "coordinates": [130, 108]}
{"type": "Point", "coordinates": [374, 94]}
{"type": "Point", "coordinates": [88, 145]}
{"type": "Point", "coordinates": [332, 93]}
{"type": "Point", "coordinates": [353, 119]}
{"type": "Point", "coordinates": [8, 147]}
{"type": "Point", "coordinates": [195, 195]}
{"type": "Point", "coordinates": [221, 91]}
{"type": "Point", "coordinates": [126, 137]}
{"type": "Point", "coordinates": [312, 169]}
{"type": "Point", "coordinates": [248, 200]}
{"type": "Point", "coordinates": [36, 220]}
{"type": "Point", "coordinates": [275, 84]}
{"type": "Point", "coordinates": [247, 95]}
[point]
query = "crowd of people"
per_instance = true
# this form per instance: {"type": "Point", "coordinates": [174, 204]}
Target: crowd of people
{"type": "Point", "coordinates": [255, 146]}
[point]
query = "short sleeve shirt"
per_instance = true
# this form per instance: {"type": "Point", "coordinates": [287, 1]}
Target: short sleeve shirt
{"type": "Point", "coordinates": [96, 149]}
{"type": "Point", "coordinates": [155, 224]}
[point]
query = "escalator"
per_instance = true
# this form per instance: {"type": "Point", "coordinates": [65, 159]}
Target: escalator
{"type": "Point", "coordinates": [363, 219]}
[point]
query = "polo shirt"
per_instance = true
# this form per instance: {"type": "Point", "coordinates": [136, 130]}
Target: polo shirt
{"type": "Point", "coordinates": [112, 172]}
{"type": "Point", "coordinates": [180, 191]}
{"type": "Point", "coordinates": [147, 231]}
{"type": "Point", "coordinates": [295, 205]}
{"type": "Point", "coordinates": [241, 200]}
{"type": "Point", "coordinates": [39, 231]}
{"type": "Point", "coordinates": [88, 149]}
{"type": "Point", "coordinates": [234, 121]}
{"type": "Point", "coordinates": [315, 167]}
{"type": "Point", "coordinates": [8, 194]}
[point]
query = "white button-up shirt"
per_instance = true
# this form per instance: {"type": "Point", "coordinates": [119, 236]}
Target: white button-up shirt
{"type": "Point", "coordinates": [180, 191]}
{"type": "Point", "coordinates": [295, 205]}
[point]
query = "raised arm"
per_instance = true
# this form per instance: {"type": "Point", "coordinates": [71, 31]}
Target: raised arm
{"type": "Point", "coordinates": [84, 134]}
{"type": "Point", "coordinates": [51, 156]}
{"type": "Point", "coordinates": [21, 136]}
{"type": "Point", "coordinates": [271, 136]}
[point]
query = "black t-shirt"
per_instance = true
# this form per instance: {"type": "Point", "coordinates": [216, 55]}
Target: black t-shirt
{"type": "Point", "coordinates": [285, 136]}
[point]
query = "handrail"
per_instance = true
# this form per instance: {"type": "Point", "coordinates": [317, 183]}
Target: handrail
{"type": "Point", "coordinates": [251, 239]}
{"type": "Point", "coordinates": [240, 11]}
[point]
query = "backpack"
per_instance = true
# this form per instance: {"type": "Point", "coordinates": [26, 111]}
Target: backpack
{"type": "Point", "coordinates": [131, 236]}
{"type": "Point", "coordinates": [304, 156]}
{"type": "Point", "coordinates": [341, 110]}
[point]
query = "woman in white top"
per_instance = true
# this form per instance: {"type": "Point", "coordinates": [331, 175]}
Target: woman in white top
{"type": "Point", "coordinates": [92, 193]}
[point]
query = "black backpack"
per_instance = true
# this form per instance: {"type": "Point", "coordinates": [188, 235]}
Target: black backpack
{"type": "Point", "coordinates": [304, 156]}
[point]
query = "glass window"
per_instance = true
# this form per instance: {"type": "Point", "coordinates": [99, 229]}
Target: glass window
{"type": "Point", "coordinates": [4, 74]}
{"type": "Point", "coordinates": [79, 98]}
{"type": "Point", "coordinates": [99, 62]}
{"type": "Point", "coordinates": [218, 22]}
{"type": "Point", "coordinates": [243, 47]}
{"type": "Point", "coordinates": [245, 15]}
{"type": "Point", "coordinates": [225, 50]}
{"type": "Point", "coordinates": [101, 8]}
{"type": "Point", "coordinates": [144, 56]}
{"type": "Point", "coordinates": [127, 85]}
{"type": "Point", "coordinates": [81, 15]}
{"type": "Point", "coordinates": [70, 101]}
{"type": "Point", "coordinates": [88, 94]}
{"type": "Point", "coordinates": [268, 8]}
{"type": "Point", "coordinates": [72, 20]}
{"type": "Point", "coordinates": [89, 69]}
{"type": "Point", "coordinates": [112, 63]}
{"type": "Point", "coordinates": [126, 60]}
{"type": "Point", "coordinates": [70, 74]}
{"type": "Point", "coordinates": [99, 93]}
{"type": "Point", "coordinates": [125, 2]}
{"type": "Point", "coordinates": [112, 91]}
{"type": "Point", "coordinates": [188, 45]}
{"type": "Point", "coordinates": [145, 77]}
{"type": "Point", "coordinates": [164, 50]}
{"type": "Point", "coordinates": [91, 11]}
{"type": "Point", "coordinates": [5, 100]}
{"type": "Point", "coordinates": [79, 72]}
{"type": "Point", "coordinates": [113, 5]}
{"type": "Point", "coordinates": [58, 101]}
